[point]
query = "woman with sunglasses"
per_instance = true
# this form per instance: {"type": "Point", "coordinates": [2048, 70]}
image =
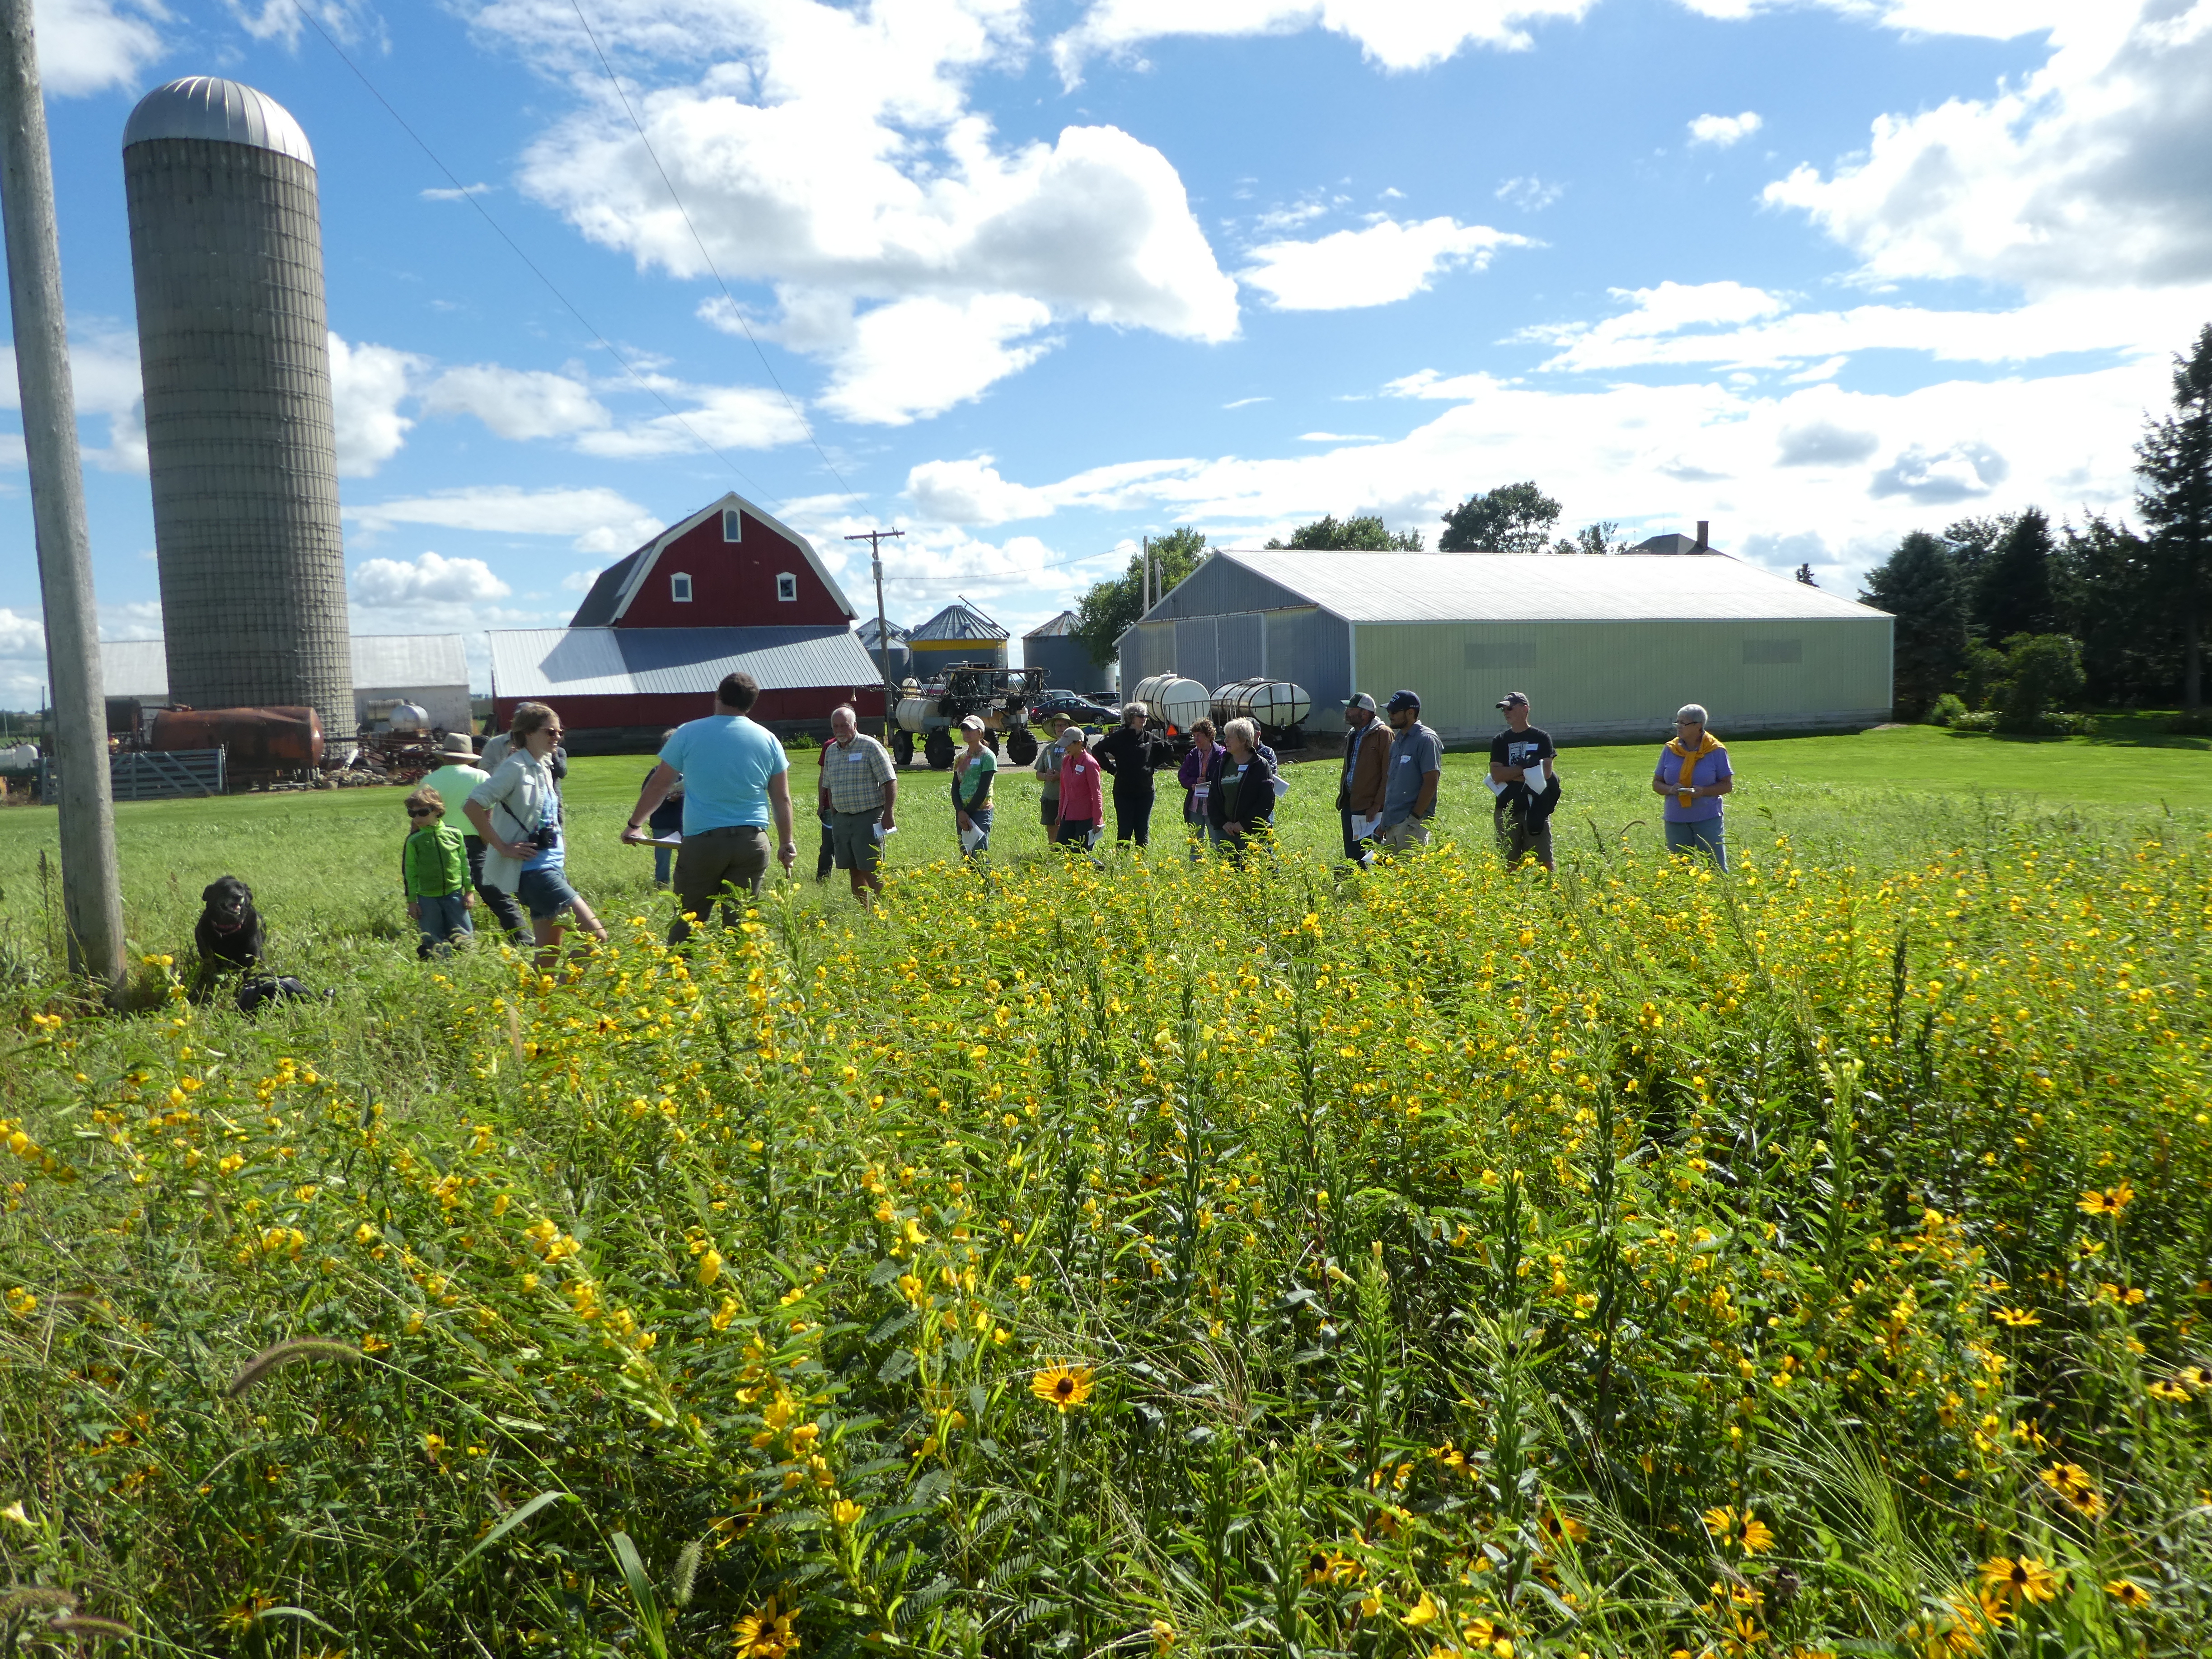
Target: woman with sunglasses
{"type": "Point", "coordinates": [517, 810]}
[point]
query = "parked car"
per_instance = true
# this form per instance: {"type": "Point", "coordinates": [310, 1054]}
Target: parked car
{"type": "Point", "coordinates": [1081, 710]}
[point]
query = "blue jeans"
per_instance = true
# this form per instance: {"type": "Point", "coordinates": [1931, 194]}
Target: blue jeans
{"type": "Point", "coordinates": [443, 918]}
{"type": "Point", "coordinates": [664, 858]}
{"type": "Point", "coordinates": [980, 819]}
{"type": "Point", "coordinates": [1706, 837]}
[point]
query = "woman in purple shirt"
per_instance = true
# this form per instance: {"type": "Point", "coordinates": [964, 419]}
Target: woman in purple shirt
{"type": "Point", "coordinates": [1693, 774]}
{"type": "Point", "coordinates": [1194, 776]}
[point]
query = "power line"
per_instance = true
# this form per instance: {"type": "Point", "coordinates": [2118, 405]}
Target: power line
{"type": "Point", "coordinates": [470, 196]}
{"type": "Point", "coordinates": [698, 241]}
{"type": "Point", "coordinates": [1009, 575]}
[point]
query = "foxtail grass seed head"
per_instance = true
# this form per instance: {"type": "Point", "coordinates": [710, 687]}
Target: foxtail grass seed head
{"type": "Point", "coordinates": [269, 1361]}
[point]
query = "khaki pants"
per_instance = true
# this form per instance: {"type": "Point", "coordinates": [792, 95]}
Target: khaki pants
{"type": "Point", "coordinates": [1406, 833]}
{"type": "Point", "coordinates": [709, 861]}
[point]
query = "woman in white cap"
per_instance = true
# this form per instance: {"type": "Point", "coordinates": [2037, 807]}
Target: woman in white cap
{"type": "Point", "coordinates": [974, 770]}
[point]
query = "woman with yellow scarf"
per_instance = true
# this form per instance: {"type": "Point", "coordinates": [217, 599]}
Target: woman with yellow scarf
{"type": "Point", "coordinates": [1693, 775]}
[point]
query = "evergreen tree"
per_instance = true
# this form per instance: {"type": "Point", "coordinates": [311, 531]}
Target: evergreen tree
{"type": "Point", "coordinates": [1515, 518]}
{"type": "Point", "coordinates": [2016, 593]}
{"type": "Point", "coordinates": [1366, 534]}
{"type": "Point", "coordinates": [1104, 613]}
{"type": "Point", "coordinates": [1918, 585]}
{"type": "Point", "coordinates": [2174, 462]}
{"type": "Point", "coordinates": [2130, 645]}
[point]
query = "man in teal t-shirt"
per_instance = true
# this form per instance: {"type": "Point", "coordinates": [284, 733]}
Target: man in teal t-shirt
{"type": "Point", "coordinates": [735, 776]}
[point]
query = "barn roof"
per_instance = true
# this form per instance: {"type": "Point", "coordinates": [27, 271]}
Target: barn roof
{"type": "Point", "coordinates": [618, 584]}
{"type": "Point", "coordinates": [958, 621]}
{"type": "Point", "coordinates": [600, 662]}
{"type": "Point", "coordinates": [1058, 627]}
{"type": "Point", "coordinates": [381, 662]}
{"type": "Point", "coordinates": [1386, 587]}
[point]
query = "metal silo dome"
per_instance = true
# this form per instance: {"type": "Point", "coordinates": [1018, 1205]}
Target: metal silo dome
{"type": "Point", "coordinates": [224, 111]}
{"type": "Point", "coordinates": [227, 257]}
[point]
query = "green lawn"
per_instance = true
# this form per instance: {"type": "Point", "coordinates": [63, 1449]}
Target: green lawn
{"type": "Point", "coordinates": [2116, 769]}
{"type": "Point", "coordinates": [325, 864]}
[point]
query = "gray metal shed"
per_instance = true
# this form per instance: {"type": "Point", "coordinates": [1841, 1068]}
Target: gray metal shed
{"type": "Point", "coordinates": [1065, 659]}
{"type": "Point", "coordinates": [1604, 647]}
{"type": "Point", "coordinates": [431, 669]}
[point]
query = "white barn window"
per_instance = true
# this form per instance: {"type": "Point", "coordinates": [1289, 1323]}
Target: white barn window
{"type": "Point", "coordinates": [733, 525]}
{"type": "Point", "coordinates": [679, 588]}
{"type": "Point", "coordinates": [786, 587]}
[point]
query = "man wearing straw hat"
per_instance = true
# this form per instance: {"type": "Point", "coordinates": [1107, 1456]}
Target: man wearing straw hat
{"type": "Point", "coordinates": [457, 780]}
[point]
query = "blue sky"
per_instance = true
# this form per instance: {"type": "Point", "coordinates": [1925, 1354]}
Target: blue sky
{"type": "Point", "coordinates": [1035, 279]}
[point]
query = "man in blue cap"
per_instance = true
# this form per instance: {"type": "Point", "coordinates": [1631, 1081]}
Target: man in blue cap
{"type": "Point", "coordinates": [1417, 763]}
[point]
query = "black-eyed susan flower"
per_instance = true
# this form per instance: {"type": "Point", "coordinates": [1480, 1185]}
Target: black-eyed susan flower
{"type": "Point", "coordinates": [2012, 1582]}
{"type": "Point", "coordinates": [1063, 1386]}
{"type": "Point", "coordinates": [2128, 1593]}
{"type": "Point", "coordinates": [765, 1634]}
{"type": "Point", "coordinates": [2072, 1484]}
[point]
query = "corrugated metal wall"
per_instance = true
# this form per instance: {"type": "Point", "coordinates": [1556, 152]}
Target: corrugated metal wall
{"type": "Point", "coordinates": [1626, 678]}
{"type": "Point", "coordinates": [1066, 661]}
{"type": "Point", "coordinates": [1225, 623]}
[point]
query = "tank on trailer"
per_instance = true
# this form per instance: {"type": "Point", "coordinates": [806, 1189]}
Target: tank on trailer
{"type": "Point", "coordinates": [264, 744]}
{"type": "Point", "coordinates": [1278, 708]}
{"type": "Point", "coordinates": [1175, 703]}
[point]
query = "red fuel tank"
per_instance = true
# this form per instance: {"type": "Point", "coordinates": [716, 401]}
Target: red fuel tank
{"type": "Point", "coordinates": [261, 742]}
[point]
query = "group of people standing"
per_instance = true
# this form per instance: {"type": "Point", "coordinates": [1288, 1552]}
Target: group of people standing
{"type": "Point", "coordinates": [720, 785]}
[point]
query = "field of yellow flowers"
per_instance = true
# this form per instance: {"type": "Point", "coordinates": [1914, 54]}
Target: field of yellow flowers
{"type": "Point", "coordinates": [1158, 1259]}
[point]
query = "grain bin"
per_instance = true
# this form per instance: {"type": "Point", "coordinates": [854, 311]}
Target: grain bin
{"type": "Point", "coordinates": [1177, 702]}
{"type": "Point", "coordinates": [226, 251]}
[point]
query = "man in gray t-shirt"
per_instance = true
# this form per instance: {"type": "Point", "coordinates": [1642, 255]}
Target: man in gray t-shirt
{"type": "Point", "coordinates": [1417, 761]}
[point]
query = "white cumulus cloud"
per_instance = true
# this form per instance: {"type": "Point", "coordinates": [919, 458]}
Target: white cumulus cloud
{"type": "Point", "coordinates": [1722, 131]}
{"type": "Point", "coordinates": [832, 149]}
{"type": "Point", "coordinates": [2092, 171]}
{"type": "Point", "coordinates": [90, 46]}
{"type": "Point", "coordinates": [517, 403]}
{"type": "Point", "coordinates": [596, 520]}
{"type": "Point", "coordinates": [1386, 262]}
{"type": "Point", "coordinates": [368, 385]}
{"type": "Point", "coordinates": [1398, 34]}
{"type": "Point", "coordinates": [427, 579]}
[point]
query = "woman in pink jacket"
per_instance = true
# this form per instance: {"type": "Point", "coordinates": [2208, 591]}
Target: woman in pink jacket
{"type": "Point", "coordinates": [1082, 798]}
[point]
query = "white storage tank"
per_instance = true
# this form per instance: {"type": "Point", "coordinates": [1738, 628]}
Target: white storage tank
{"type": "Point", "coordinates": [913, 714]}
{"type": "Point", "coordinates": [1177, 702]}
{"type": "Point", "coordinates": [1276, 705]}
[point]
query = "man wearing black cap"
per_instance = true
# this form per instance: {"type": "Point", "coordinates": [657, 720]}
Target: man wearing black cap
{"type": "Point", "coordinates": [1366, 774]}
{"type": "Point", "coordinates": [1527, 787]}
{"type": "Point", "coordinates": [1417, 762]}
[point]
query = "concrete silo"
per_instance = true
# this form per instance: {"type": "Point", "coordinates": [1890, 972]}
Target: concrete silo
{"type": "Point", "coordinates": [226, 247]}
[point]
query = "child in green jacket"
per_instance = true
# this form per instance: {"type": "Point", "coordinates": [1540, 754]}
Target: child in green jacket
{"type": "Point", "coordinates": [434, 869]}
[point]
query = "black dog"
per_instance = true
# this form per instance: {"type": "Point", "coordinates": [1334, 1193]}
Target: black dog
{"type": "Point", "coordinates": [229, 936]}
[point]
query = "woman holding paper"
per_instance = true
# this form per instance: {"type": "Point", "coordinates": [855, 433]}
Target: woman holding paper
{"type": "Point", "coordinates": [1693, 774]}
{"type": "Point", "coordinates": [1196, 776]}
{"type": "Point", "coordinates": [973, 770]}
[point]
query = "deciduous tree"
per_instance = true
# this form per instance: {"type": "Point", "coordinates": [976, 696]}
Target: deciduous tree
{"type": "Point", "coordinates": [1515, 518]}
{"type": "Point", "coordinates": [1104, 613]}
{"type": "Point", "coordinates": [1366, 534]}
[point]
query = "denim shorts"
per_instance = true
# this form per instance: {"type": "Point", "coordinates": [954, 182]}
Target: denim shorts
{"type": "Point", "coordinates": [545, 893]}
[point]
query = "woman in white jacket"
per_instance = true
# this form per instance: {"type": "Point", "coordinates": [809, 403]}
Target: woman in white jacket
{"type": "Point", "coordinates": [517, 810]}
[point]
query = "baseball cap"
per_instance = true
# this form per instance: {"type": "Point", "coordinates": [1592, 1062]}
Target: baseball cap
{"type": "Point", "coordinates": [1403, 700]}
{"type": "Point", "coordinates": [1360, 700]}
{"type": "Point", "coordinates": [1514, 700]}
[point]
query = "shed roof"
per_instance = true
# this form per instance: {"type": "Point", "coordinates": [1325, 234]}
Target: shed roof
{"type": "Point", "coordinates": [1058, 627]}
{"type": "Point", "coordinates": [958, 621]}
{"type": "Point", "coordinates": [381, 662]}
{"type": "Point", "coordinates": [600, 662]}
{"type": "Point", "coordinates": [395, 661]}
{"type": "Point", "coordinates": [1508, 587]}
{"type": "Point", "coordinates": [618, 584]}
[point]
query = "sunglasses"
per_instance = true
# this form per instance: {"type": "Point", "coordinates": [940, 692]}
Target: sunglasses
{"type": "Point", "coordinates": [419, 812]}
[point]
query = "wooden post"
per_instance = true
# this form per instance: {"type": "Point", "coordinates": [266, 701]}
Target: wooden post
{"type": "Point", "coordinates": [92, 890]}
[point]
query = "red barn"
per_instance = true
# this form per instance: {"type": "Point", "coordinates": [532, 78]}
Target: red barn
{"type": "Point", "coordinates": [728, 588]}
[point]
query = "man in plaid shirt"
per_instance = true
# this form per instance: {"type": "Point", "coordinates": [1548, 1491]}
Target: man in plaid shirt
{"type": "Point", "coordinates": [859, 787]}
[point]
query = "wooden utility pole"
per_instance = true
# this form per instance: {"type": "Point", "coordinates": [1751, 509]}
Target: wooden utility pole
{"type": "Point", "coordinates": [92, 888]}
{"type": "Point", "coordinates": [875, 539]}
